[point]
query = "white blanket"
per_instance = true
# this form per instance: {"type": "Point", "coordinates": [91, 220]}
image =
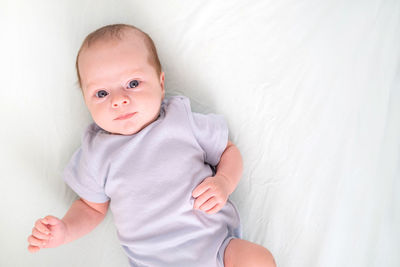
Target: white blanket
{"type": "Point", "coordinates": [310, 89]}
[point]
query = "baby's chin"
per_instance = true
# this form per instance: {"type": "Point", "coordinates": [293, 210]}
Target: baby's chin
{"type": "Point", "coordinates": [127, 127]}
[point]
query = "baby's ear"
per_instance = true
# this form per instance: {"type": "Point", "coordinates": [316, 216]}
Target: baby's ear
{"type": "Point", "coordinates": [162, 79]}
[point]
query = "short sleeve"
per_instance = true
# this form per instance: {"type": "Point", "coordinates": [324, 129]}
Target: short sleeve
{"type": "Point", "coordinates": [82, 180]}
{"type": "Point", "coordinates": [211, 132]}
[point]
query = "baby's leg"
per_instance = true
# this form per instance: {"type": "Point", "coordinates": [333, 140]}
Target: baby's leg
{"type": "Point", "coordinates": [240, 253]}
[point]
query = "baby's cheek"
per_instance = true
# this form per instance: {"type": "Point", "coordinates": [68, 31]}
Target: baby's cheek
{"type": "Point", "coordinates": [102, 118]}
{"type": "Point", "coordinates": [94, 110]}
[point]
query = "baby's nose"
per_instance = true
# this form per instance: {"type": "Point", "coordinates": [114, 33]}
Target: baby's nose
{"type": "Point", "coordinates": [120, 101]}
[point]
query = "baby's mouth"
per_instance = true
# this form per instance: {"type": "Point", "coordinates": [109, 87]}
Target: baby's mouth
{"type": "Point", "coordinates": [125, 116]}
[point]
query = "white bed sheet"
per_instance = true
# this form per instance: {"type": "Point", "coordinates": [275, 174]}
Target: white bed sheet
{"type": "Point", "coordinates": [310, 89]}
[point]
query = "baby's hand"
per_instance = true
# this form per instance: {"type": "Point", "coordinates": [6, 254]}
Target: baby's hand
{"type": "Point", "coordinates": [212, 194]}
{"type": "Point", "coordinates": [48, 232]}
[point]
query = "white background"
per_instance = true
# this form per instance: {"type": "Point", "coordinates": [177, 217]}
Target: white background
{"type": "Point", "coordinates": [310, 90]}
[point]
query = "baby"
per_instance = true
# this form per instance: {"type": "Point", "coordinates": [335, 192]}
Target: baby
{"type": "Point", "coordinates": [165, 171]}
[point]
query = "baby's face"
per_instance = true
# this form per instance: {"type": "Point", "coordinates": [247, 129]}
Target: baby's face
{"type": "Point", "coordinates": [122, 90]}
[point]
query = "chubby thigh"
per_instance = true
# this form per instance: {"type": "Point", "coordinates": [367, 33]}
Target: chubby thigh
{"type": "Point", "coordinates": [240, 252]}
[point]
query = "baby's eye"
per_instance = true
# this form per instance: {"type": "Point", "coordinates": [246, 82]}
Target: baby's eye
{"type": "Point", "coordinates": [133, 84]}
{"type": "Point", "coordinates": [101, 93]}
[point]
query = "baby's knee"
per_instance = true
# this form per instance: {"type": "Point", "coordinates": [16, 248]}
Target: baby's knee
{"type": "Point", "coordinates": [263, 257]}
{"type": "Point", "coordinates": [268, 259]}
{"type": "Point", "coordinates": [247, 254]}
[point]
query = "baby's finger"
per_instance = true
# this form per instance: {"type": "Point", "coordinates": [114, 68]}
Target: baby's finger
{"type": "Point", "coordinates": [41, 227]}
{"type": "Point", "coordinates": [200, 189]}
{"type": "Point", "coordinates": [209, 204]}
{"type": "Point", "coordinates": [49, 219]}
{"type": "Point", "coordinates": [202, 199]}
{"type": "Point", "coordinates": [215, 209]}
{"type": "Point", "coordinates": [39, 235]}
{"type": "Point", "coordinates": [33, 249]}
{"type": "Point", "coordinates": [36, 242]}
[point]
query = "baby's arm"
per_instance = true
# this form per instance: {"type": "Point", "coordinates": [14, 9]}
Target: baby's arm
{"type": "Point", "coordinates": [212, 194]}
{"type": "Point", "coordinates": [81, 218]}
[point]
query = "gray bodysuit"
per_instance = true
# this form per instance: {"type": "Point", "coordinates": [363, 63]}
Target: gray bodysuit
{"type": "Point", "coordinates": [149, 178]}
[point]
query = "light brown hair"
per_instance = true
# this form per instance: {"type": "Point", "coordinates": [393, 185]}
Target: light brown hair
{"type": "Point", "coordinates": [116, 31]}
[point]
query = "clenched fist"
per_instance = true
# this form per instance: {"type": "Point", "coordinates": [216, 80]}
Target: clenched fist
{"type": "Point", "coordinates": [211, 194]}
{"type": "Point", "coordinates": [49, 232]}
